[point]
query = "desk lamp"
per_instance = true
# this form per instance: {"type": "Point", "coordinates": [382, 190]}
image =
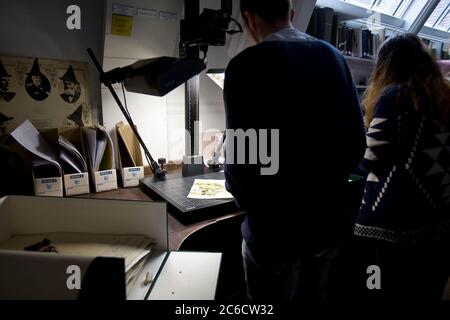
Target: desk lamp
{"type": "Point", "coordinates": [160, 76]}
{"type": "Point", "coordinates": [155, 77]}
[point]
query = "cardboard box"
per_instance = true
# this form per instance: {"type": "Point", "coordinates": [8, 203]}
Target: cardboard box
{"type": "Point", "coordinates": [130, 157]}
{"type": "Point", "coordinates": [102, 166]}
{"type": "Point", "coordinates": [74, 183]}
{"type": "Point", "coordinates": [48, 187]}
{"type": "Point", "coordinates": [131, 176]}
{"type": "Point", "coordinates": [42, 275]}
{"type": "Point", "coordinates": [105, 180]}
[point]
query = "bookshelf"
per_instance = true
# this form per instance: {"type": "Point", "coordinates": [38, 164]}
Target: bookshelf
{"type": "Point", "coordinates": [430, 19]}
{"type": "Point", "coordinates": [440, 50]}
{"type": "Point", "coordinates": [355, 41]}
{"type": "Point", "coordinates": [358, 28]}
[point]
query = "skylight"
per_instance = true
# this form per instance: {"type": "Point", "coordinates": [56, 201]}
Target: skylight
{"type": "Point", "coordinates": [390, 7]}
{"type": "Point", "coordinates": [440, 18]}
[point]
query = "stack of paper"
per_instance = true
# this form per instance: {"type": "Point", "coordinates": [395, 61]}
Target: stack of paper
{"type": "Point", "coordinates": [100, 149]}
{"type": "Point", "coordinates": [71, 156]}
{"type": "Point", "coordinates": [134, 249]}
{"type": "Point", "coordinates": [44, 156]}
{"type": "Point", "coordinates": [43, 168]}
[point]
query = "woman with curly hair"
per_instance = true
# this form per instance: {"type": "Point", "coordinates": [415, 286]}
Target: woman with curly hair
{"type": "Point", "coordinates": [404, 218]}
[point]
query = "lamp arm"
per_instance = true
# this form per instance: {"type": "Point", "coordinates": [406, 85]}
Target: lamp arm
{"type": "Point", "coordinates": [153, 164]}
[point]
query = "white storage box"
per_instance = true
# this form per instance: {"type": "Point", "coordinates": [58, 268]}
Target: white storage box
{"type": "Point", "coordinates": [42, 275]}
{"type": "Point", "coordinates": [48, 187]}
{"type": "Point", "coordinates": [105, 180]}
{"type": "Point", "coordinates": [131, 176]}
{"type": "Point", "coordinates": [76, 184]}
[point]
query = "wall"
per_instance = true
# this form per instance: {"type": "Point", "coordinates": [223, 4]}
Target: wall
{"type": "Point", "coordinates": [38, 29]}
{"type": "Point", "coordinates": [160, 120]}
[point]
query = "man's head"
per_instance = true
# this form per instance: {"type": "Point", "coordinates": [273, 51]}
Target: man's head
{"type": "Point", "coordinates": [4, 84]}
{"type": "Point", "coordinates": [69, 87]}
{"type": "Point", "coordinates": [36, 80]}
{"type": "Point", "coordinates": [4, 78]}
{"type": "Point", "coordinates": [4, 122]}
{"type": "Point", "coordinates": [70, 82]}
{"type": "Point", "coordinates": [263, 17]}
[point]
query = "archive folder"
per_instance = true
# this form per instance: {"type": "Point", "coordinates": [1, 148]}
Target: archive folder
{"type": "Point", "coordinates": [130, 156]}
{"type": "Point", "coordinates": [101, 158]}
{"type": "Point", "coordinates": [47, 172]}
{"type": "Point", "coordinates": [72, 156]}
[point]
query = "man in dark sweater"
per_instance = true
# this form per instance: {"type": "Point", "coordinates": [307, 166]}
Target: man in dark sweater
{"type": "Point", "coordinates": [294, 99]}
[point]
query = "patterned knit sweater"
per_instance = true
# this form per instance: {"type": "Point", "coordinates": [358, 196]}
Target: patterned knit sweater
{"type": "Point", "coordinates": [407, 195]}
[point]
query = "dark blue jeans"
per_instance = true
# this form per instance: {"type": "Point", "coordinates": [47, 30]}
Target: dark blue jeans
{"type": "Point", "coordinates": [273, 277]}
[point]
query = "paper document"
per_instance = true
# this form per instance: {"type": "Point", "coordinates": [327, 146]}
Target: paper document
{"type": "Point", "coordinates": [209, 189]}
{"type": "Point", "coordinates": [132, 248]}
{"type": "Point", "coordinates": [29, 138]}
{"type": "Point", "coordinates": [71, 156]}
{"type": "Point", "coordinates": [109, 156]}
{"type": "Point", "coordinates": [100, 149]}
{"type": "Point", "coordinates": [44, 169]}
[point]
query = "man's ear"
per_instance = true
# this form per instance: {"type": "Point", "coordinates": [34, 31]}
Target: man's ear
{"type": "Point", "coordinates": [249, 18]}
{"type": "Point", "coordinates": [251, 24]}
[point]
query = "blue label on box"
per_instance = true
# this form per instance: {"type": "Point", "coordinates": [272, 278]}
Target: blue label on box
{"type": "Point", "coordinates": [78, 176]}
{"type": "Point", "coordinates": [106, 173]}
{"type": "Point", "coordinates": [134, 170]}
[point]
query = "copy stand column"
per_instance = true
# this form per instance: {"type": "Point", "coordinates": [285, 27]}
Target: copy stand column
{"type": "Point", "coordinates": [192, 161]}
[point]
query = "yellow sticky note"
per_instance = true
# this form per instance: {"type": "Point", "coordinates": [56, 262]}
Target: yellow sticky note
{"type": "Point", "coordinates": [121, 25]}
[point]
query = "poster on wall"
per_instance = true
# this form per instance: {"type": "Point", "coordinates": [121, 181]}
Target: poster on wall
{"type": "Point", "coordinates": [49, 93]}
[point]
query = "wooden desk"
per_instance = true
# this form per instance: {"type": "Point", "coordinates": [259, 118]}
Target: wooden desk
{"type": "Point", "coordinates": [177, 231]}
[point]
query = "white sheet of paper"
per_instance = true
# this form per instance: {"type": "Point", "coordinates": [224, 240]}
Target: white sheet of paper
{"type": "Point", "coordinates": [209, 189]}
{"type": "Point", "coordinates": [71, 155]}
{"type": "Point", "coordinates": [28, 136]}
{"type": "Point", "coordinates": [132, 248]}
{"type": "Point", "coordinates": [100, 144]}
{"type": "Point", "coordinates": [91, 139]}
{"type": "Point", "coordinates": [99, 150]}
{"type": "Point", "coordinates": [109, 145]}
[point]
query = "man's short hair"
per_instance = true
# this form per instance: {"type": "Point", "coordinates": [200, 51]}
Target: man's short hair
{"type": "Point", "coordinates": [270, 11]}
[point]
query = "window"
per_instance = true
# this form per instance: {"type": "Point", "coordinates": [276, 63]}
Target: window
{"type": "Point", "coordinates": [390, 7]}
{"type": "Point", "coordinates": [440, 18]}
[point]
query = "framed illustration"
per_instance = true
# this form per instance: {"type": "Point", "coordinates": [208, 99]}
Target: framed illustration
{"type": "Point", "coordinates": [49, 93]}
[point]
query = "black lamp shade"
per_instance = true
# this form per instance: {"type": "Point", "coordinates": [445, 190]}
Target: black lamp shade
{"type": "Point", "coordinates": [159, 76]}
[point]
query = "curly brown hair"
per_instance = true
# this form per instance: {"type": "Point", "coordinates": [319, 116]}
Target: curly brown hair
{"type": "Point", "coordinates": [404, 59]}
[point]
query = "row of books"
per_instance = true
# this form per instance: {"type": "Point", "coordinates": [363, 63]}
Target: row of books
{"type": "Point", "coordinates": [73, 161]}
{"type": "Point", "coordinates": [359, 42]}
{"type": "Point", "coordinates": [356, 42]}
{"type": "Point", "coordinates": [440, 50]}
